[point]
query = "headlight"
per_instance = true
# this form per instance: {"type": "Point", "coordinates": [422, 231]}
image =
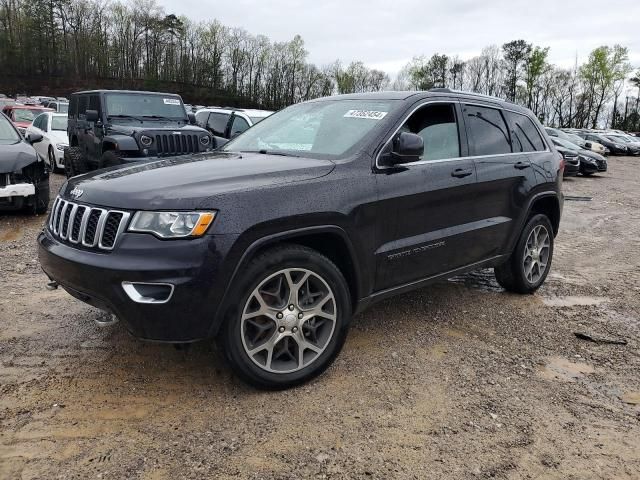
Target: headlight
{"type": "Point", "coordinates": [205, 140]}
{"type": "Point", "coordinates": [146, 140]}
{"type": "Point", "coordinates": [61, 146]}
{"type": "Point", "coordinates": [172, 224]}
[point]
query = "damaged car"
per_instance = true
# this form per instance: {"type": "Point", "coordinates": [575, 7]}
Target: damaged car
{"type": "Point", "coordinates": [24, 176]}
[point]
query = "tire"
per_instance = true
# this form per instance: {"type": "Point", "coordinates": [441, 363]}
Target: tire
{"type": "Point", "coordinates": [110, 158]}
{"type": "Point", "coordinates": [41, 197]}
{"type": "Point", "coordinates": [514, 274]}
{"type": "Point", "coordinates": [283, 331]}
{"type": "Point", "coordinates": [587, 174]}
{"type": "Point", "coordinates": [74, 162]}
{"type": "Point", "coordinates": [53, 166]}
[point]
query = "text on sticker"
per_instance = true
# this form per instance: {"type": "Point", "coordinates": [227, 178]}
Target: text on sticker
{"type": "Point", "coordinates": [171, 101]}
{"type": "Point", "coordinates": [370, 114]}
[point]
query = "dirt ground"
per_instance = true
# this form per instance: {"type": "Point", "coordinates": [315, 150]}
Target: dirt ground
{"type": "Point", "coordinates": [456, 381]}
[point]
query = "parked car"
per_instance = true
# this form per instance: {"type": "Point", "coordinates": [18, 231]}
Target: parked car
{"type": "Point", "coordinates": [62, 99]}
{"type": "Point", "coordinates": [225, 123]}
{"type": "Point", "coordinates": [588, 162]}
{"type": "Point", "coordinates": [571, 161]}
{"type": "Point", "coordinates": [23, 115]}
{"type": "Point", "coordinates": [615, 148]}
{"type": "Point", "coordinates": [6, 101]}
{"type": "Point", "coordinates": [112, 127]}
{"type": "Point", "coordinates": [53, 129]}
{"type": "Point", "coordinates": [58, 106]}
{"type": "Point", "coordinates": [273, 242]}
{"type": "Point", "coordinates": [632, 144]}
{"type": "Point", "coordinates": [24, 177]}
{"type": "Point", "coordinates": [588, 145]}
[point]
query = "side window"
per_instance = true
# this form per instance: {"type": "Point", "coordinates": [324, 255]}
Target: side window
{"type": "Point", "coordinates": [437, 126]}
{"type": "Point", "coordinates": [83, 105]}
{"type": "Point", "coordinates": [217, 123]}
{"type": "Point", "coordinates": [201, 118]}
{"type": "Point", "coordinates": [41, 122]}
{"type": "Point", "coordinates": [73, 106]}
{"type": "Point", "coordinates": [239, 125]}
{"type": "Point", "coordinates": [94, 104]}
{"type": "Point", "coordinates": [525, 135]}
{"type": "Point", "coordinates": [488, 132]}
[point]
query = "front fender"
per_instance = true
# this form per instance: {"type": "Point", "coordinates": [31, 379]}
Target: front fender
{"type": "Point", "coordinates": [123, 143]}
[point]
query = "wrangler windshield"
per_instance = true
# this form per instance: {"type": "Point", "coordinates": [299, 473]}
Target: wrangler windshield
{"type": "Point", "coordinates": [327, 129]}
{"type": "Point", "coordinates": [133, 105]}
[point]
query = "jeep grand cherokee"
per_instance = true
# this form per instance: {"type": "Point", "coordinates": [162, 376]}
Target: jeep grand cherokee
{"type": "Point", "coordinates": [272, 243]}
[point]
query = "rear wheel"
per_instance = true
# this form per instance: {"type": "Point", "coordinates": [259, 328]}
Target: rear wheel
{"type": "Point", "coordinates": [41, 196]}
{"type": "Point", "coordinates": [53, 166]}
{"type": "Point", "coordinates": [530, 262]}
{"type": "Point", "coordinates": [291, 319]}
{"type": "Point", "coordinates": [74, 162]}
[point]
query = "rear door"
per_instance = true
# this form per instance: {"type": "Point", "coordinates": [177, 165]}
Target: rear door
{"type": "Point", "coordinates": [505, 176]}
{"type": "Point", "coordinates": [427, 206]}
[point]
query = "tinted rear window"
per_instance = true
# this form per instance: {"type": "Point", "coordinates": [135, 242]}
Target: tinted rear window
{"type": "Point", "coordinates": [525, 135]}
{"type": "Point", "coordinates": [488, 133]}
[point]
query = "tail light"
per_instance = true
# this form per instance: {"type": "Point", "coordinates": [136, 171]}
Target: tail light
{"type": "Point", "coordinates": [562, 163]}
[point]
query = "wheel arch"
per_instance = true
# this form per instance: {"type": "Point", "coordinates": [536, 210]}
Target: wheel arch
{"type": "Point", "coordinates": [330, 240]}
{"type": "Point", "coordinates": [549, 205]}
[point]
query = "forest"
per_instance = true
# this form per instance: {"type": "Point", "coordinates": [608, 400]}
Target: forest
{"type": "Point", "coordinates": [89, 43]}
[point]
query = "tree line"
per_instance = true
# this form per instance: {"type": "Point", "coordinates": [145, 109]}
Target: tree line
{"type": "Point", "coordinates": [93, 39]}
{"type": "Point", "coordinates": [83, 40]}
{"type": "Point", "coordinates": [585, 96]}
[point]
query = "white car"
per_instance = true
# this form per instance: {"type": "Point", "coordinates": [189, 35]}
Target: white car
{"type": "Point", "coordinates": [228, 122]}
{"type": "Point", "coordinates": [53, 128]}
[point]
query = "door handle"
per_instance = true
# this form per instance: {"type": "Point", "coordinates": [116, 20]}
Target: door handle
{"type": "Point", "coordinates": [522, 165]}
{"type": "Point", "coordinates": [461, 172]}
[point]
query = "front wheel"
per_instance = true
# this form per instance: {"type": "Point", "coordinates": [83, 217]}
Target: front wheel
{"type": "Point", "coordinates": [74, 162]}
{"type": "Point", "coordinates": [529, 264]}
{"type": "Point", "coordinates": [291, 319]}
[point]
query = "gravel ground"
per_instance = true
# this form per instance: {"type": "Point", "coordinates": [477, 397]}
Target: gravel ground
{"type": "Point", "coordinates": [459, 380]}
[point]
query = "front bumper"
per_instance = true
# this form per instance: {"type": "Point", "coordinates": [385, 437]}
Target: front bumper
{"type": "Point", "coordinates": [17, 190]}
{"type": "Point", "coordinates": [192, 267]}
{"type": "Point", "coordinates": [571, 169]}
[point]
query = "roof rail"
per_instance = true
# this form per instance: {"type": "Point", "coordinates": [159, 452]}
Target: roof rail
{"type": "Point", "coordinates": [462, 92]}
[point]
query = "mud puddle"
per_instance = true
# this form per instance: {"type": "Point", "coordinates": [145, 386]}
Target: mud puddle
{"type": "Point", "coordinates": [573, 301]}
{"type": "Point", "coordinates": [559, 368]}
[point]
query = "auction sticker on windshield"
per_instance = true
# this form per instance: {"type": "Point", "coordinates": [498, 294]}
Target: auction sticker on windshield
{"type": "Point", "coordinates": [369, 114]}
{"type": "Point", "coordinates": [171, 101]}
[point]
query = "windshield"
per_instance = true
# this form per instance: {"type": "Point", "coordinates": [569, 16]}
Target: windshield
{"type": "Point", "coordinates": [59, 123]}
{"type": "Point", "coordinates": [575, 139]}
{"type": "Point", "coordinates": [25, 114]}
{"type": "Point", "coordinates": [327, 129]}
{"type": "Point", "coordinates": [565, 143]}
{"type": "Point", "coordinates": [148, 106]}
{"type": "Point", "coordinates": [8, 134]}
{"type": "Point", "coordinates": [617, 139]}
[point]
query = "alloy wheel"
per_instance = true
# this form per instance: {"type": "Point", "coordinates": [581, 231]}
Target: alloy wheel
{"type": "Point", "coordinates": [288, 320]}
{"type": "Point", "coordinates": [536, 254]}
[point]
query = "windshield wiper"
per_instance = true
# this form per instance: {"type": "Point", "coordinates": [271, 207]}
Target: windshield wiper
{"type": "Point", "coordinates": [126, 116]}
{"type": "Point", "coordinates": [271, 152]}
{"type": "Point", "coordinates": [160, 117]}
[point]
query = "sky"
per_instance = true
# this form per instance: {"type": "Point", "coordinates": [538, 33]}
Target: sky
{"type": "Point", "coordinates": [386, 34]}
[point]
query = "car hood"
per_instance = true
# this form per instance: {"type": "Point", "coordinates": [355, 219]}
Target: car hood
{"type": "Point", "coordinates": [15, 157]}
{"type": "Point", "coordinates": [59, 136]}
{"type": "Point", "coordinates": [151, 125]}
{"type": "Point", "coordinates": [591, 154]}
{"type": "Point", "coordinates": [187, 182]}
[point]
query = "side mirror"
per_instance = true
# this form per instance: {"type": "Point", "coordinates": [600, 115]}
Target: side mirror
{"type": "Point", "coordinates": [192, 118]}
{"type": "Point", "coordinates": [92, 116]}
{"type": "Point", "coordinates": [33, 137]}
{"type": "Point", "coordinates": [587, 145]}
{"type": "Point", "coordinates": [407, 147]}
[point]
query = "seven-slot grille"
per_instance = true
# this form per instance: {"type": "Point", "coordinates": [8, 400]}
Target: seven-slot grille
{"type": "Point", "coordinates": [87, 226]}
{"type": "Point", "coordinates": [176, 144]}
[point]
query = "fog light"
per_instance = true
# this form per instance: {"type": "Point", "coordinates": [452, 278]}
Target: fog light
{"type": "Point", "coordinates": [141, 292]}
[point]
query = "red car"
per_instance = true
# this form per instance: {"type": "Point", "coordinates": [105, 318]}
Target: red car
{"type": "Point", "coordinates": [23, 115]}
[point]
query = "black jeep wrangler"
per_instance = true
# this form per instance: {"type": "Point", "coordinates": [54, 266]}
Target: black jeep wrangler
{"type": "Point", "coordinates": [112, 127]}
{"type": "Point", "coordinates": [272, 243]}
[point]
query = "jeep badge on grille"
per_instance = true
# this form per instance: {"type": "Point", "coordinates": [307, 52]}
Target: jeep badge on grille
{"type": "Point", "coordinates": [76, 192]}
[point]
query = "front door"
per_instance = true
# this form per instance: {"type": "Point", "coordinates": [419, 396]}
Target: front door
{"type": "Point", "coordinates": [427, 207]}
